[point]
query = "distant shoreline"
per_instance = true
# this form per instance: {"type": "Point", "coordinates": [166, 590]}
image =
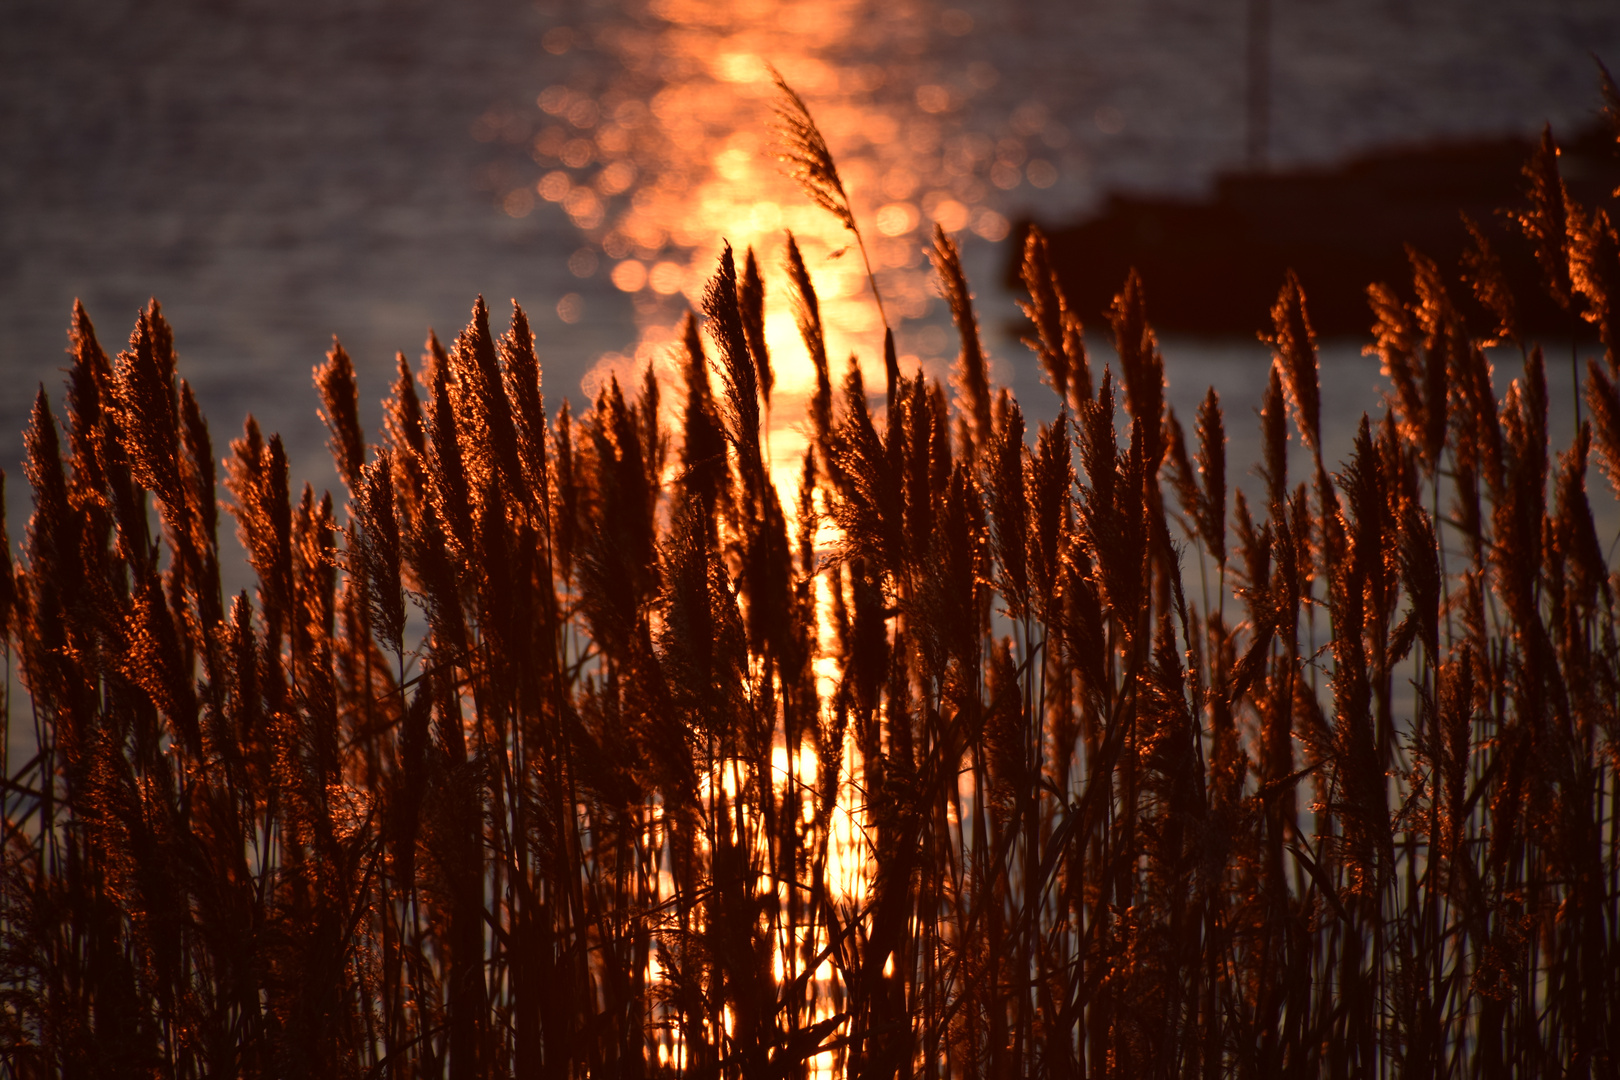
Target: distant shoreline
{"type": "Point", "coordinates": [1213, 265]}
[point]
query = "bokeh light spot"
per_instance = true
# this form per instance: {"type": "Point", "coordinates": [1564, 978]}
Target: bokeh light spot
{"type": "Point", "coordinates": [583, 263]}
{"type": "Point", "coordinates": [554, 186]}
{"type": "Point", "coordinates": [933, 98]}
{"type": "Point", "coordinates": [667, 278]}
{"type": "Point", "coordinates": [518, 202]}
{"type": "Point", "coordinates": [630, 276]}
{"type": "Point", "coordinates": [897, 219]}
{"type": "Point", "coordinates": [558, 40]}
{"type": "Point", "coordinates": [991, 225]}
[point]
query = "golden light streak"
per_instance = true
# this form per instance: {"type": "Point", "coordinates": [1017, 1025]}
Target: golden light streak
{"type": "Point", "coordinates": [685, 161]}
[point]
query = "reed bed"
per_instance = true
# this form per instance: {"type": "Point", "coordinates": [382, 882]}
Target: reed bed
{"type": "Point", "coordinates": [559, 746]}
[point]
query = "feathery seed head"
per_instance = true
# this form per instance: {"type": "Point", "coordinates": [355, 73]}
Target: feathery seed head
{"type": "Point", "coordinates": [148, 421]}
{"type": "Point", "coordinates": [1142, 368]}
{"type": "Point", "coordinates": [970, 379]}
{"type": "Point", "coordinates": [1274, 438]}
{"type": "Point", "coordinates": [1482, 270]}
{"type": "Point", "coordinates": [380, 551]}
{"type": "Point", "coordinates": [1009, 504]}
{"type": "Point", "coordinates": [1181, 473]}
{"type": "Point", "coordinates": [1295, 346]}
{"type": "Point", "coordinates": [1211, 462]}
{"type": "Point", "coordinates": [1595, 273]}
{"type": "Point", "coordinates": [751, 302]}
{"type": "Point", "coordinates": [520, 371]}
{"type": "Point", "coordinates": [1046, 308]}
{"type": "Point", "coordinates": [807, 314]}
{"type": "Point", "coordinates": [738, 373]}
{"type": "Point", "coordinates": [803, 150]}
{"type": "Point", "coordinates": [1545, 221]}
{"type": "Point", "coordinates": [340, 411]}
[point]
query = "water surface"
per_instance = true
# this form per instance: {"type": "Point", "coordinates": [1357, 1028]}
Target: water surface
{"type": "Point", "coordinates": [279, 172]}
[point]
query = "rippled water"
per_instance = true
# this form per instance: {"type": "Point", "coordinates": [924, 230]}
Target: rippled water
{"type": "Point", "coordinates": [279, 172]}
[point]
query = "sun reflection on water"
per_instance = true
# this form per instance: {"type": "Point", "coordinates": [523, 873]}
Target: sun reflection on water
{"type": "Point", "coordinates": [675, 156]}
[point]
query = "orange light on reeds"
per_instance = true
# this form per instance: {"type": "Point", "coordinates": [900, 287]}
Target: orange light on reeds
{"type": "Point", "coordinates": [715, 176]}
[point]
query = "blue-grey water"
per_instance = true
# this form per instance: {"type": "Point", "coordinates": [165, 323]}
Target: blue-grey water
{"type": "Point", "coordinates": [278, 172]}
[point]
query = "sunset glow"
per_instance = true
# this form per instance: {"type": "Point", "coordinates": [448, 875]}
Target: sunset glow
{"type": "Point", "coordinates": [757, 717]}
{"type": "Point", "coordinates": [691, 121]}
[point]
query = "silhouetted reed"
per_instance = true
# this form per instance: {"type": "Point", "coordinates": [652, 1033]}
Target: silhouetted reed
{"type": "Point", "coordinates": [561, 748]}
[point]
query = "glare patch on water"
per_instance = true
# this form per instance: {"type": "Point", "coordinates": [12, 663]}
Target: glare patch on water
{"type": "Point", "coordinates": [675, 156]}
